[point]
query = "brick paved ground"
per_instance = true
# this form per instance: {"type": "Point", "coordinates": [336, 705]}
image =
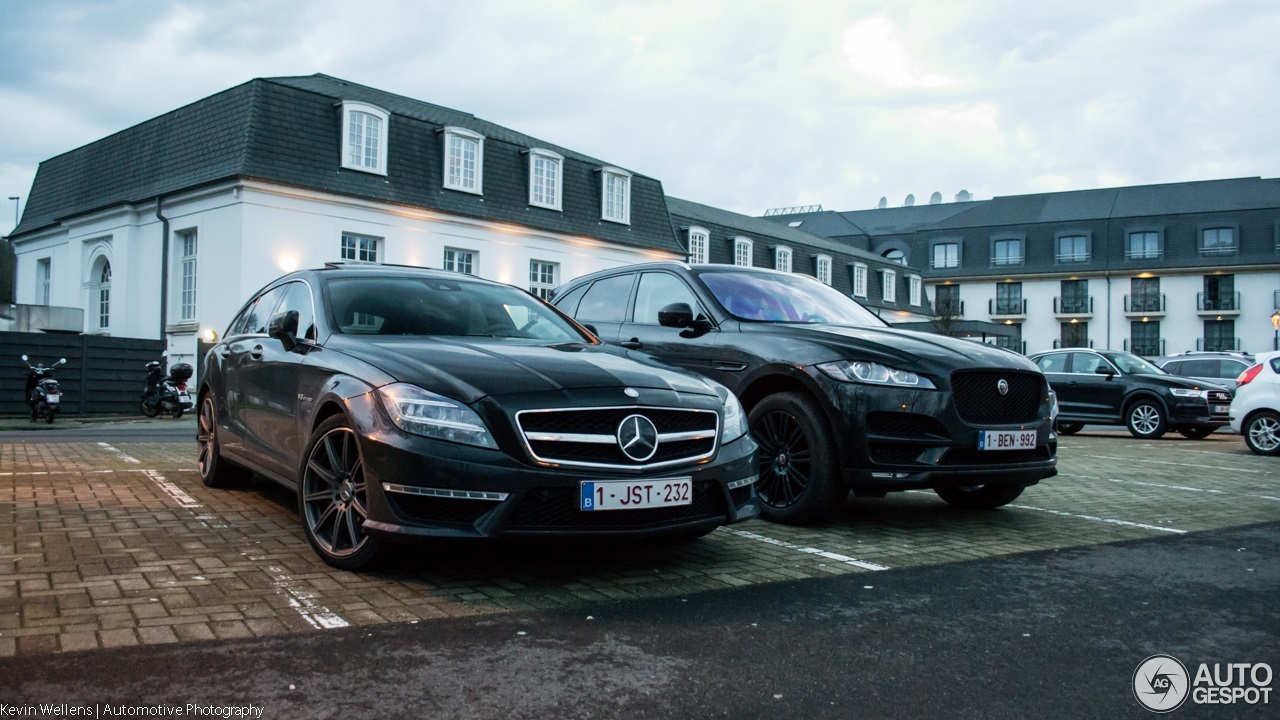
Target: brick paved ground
{"type": "Point", "coordinates": [112, 545]}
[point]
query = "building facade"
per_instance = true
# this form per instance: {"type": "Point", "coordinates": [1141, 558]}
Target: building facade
{"type": "Point", "coordinates": [163, 230]}
{"type": "Point", "coordinates": [1154, 269]}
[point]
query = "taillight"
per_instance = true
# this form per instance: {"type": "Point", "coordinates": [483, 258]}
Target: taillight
{"type": "Point", "coordinates": [182, 387]}
{"type": "Point", "coordinates": [1247, 376]}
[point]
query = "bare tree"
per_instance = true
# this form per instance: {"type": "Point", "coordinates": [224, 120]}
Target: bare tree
{"type": "Point", "coordinates": [946, 316]}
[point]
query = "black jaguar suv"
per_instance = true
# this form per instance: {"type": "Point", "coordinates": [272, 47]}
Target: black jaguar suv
{"type": "Point", "coordinates": [837, 399]}
{"type": "Point", "coordinates": [402, 403]}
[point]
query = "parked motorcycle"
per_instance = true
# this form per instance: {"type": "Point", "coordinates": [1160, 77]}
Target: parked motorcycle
{"type": "Point", "coordinates": [44, 394]}
{"type": "Point", "coordinates": [167, 393]}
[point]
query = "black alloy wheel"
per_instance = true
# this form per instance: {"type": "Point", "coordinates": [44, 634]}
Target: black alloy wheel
{"type": "Point", "coordinates": [333, 497]}
{"type": "Point", "coordinates": [214, 470]}
{"type": "Point", "coordinates": [1066, 427]}
{"type": "Point", "coordinates": [797, 460]}
{"type": "Point", "coordinates": [980, 497]}
{"type": "Point", "coordinates": [1196, 433]}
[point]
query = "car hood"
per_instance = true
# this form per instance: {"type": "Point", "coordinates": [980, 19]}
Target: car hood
{"type": "Point", "coordinates": [908, 349]}
{"type": "Point", "coordinates": [1179, 381]}
{"type": "Point", "coordinates": [469, 369]}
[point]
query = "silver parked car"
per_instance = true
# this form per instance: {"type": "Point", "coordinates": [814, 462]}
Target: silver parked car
{"type": "Point", "coordinates": [1219, 368]}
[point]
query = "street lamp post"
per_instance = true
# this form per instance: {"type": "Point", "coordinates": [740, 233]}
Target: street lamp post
{"type": "Point", "coordinates": [1275, 323]}
{"type": "Point", "coordinates": [14, 198]}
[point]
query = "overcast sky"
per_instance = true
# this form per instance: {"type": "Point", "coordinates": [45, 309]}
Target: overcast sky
{"type": "Point", "coordinates": [743, 104]}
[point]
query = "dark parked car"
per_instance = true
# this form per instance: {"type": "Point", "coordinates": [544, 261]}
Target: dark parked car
{"type": "Point", "coordinates": [1118, 388]}
{"type": "Point", "coordinates": [837, 399]}
{"type": "Point", "coordinates": [405, 404]}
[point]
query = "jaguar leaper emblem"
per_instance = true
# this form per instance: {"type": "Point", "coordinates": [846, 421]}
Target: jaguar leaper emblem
{"type": "Point", "coordinates": [1003, 386]}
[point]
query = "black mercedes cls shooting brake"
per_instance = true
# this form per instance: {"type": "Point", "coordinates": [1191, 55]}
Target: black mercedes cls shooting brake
{"type": "Point", "coordinates": [403, 404]}
{"type": "Point", "coordinates": [837, 399]}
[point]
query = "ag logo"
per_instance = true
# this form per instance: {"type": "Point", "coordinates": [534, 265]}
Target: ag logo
{"type": "Point", "coordinates": [1161, 683]}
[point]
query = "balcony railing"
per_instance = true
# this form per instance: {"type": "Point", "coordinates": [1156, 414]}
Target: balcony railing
{"type": "Point", "coordinates": [1218, 302]}
{"type": "Point", "coordinates": [1145, 348]}
{"type": "Point", "coordinates": [1231, 344]}
{"type": "Point", "coordinates": [949, 307]}
{"type": "Point", "coordinates": [1057, 344]}
{"type": "Point", "coordinates": [1144, 303]}
{"type": "Point", "coordinates": [1073, 305]}
{"type": "Point", "coordinates": [998, 307]}
{"type": "Point", "coordinates": [1018, 346]}
{"type": "Point", "coordinates": [1007, 260]}
{"type": "Point", "coordinates": [1218, 250]}
{"type": "Point", "coordinates": [1073, 257]}
{"type": "Point", "coordinates": [1141, 254]}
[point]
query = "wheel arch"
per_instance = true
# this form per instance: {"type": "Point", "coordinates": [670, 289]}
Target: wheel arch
{"type": "Point", "coordinates": [1137, 395]}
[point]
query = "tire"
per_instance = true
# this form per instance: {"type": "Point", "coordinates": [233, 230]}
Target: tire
{"type": "Point", "coordinates": [42, 412]}
{"type": "Point", "coordinates": [1197, 433]}
{"type": "Point", "coordinates": [49, 415]}
{"type": "Point", "coordinates": [176, 412]}
{"type": "Point", "coordinates": [1066, 427]}
{"type": "Point", "coordinates": [332, 499]}
{"type": "Point", "coordinates": [799, 474]}
{"type": "Point", "coordinates": [1262, 433]}
{"type": "Point", "coordinates": [1145, 419]}
{"type": "Point", "coordinates": [980, 497]}
{"type": "Point", "coordinates": [149, 410]}
{"type": "Point", "coordinates": [215, 472]}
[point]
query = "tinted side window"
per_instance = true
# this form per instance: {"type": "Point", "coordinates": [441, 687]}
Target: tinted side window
{"type": "Point", "coordinates": [1085, 362]}
{"type": "Point", "coordinates": [606, 301]}
{"type": "Point", "coordinates": [656, 291]}
{"type": "Point", "coordinates": [298, 297]}
{"type": "Point", "coordinates": [1173, 367]}
{"type": "Point", "coordinates": [1056, 363]}
{"type": "Point", "coordinates": [1231, 369]}
{"type": "Point", "coordinates": [237, 326]}
{"type": "Point", "coordinates": [1200, 368]}
{"type": "Point", "coordinates": [256, 319]}
{"type": "Point", "coordinates": [568, 303]}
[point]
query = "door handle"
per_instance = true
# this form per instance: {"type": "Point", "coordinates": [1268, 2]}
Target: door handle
{"type": "Point", "coordinates": [256, 352]}
{"type": "Point", "coordinates": [632, 344]}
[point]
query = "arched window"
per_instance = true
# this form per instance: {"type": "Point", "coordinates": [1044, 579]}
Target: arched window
{"type": "Point", "coordinates": [895, 255]}
{"type": "Point", "coordinates": [104, 295]}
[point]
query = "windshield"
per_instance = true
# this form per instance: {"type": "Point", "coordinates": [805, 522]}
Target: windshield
{"type": "Point", "coordinates": [442, 306]}
{"type": "Point", "coordinates": [769, 297]}
{"type": "Point", "coordinates": [1132, 364]}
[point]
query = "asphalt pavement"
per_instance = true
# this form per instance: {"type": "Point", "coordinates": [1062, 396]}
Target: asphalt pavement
{"type": "Point", "coordinates": [1048, 634]}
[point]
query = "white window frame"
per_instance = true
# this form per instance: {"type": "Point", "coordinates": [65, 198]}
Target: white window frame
{"type": "Point", "coordinates": [350, 110]}
{"type": "Point", "coordinates": [698, 252]}
{"type": "Point", "coordinates": [889, 286]}
{"type": "Point", "coordinates": [555, 161]}
{"type": "Point", "coordinates": [539, 284]}
{"type": "Point", "coordinates": [782, 258]}
{"type": "Point", "coordinates": [915, 289]}
{"type": "Point", "coordinates": [743, 251]}
{"type": "Point", "coordinates": [620, 214]}
{"type": "Point", "coordinates": [451, 264]}
{"type": "Point", "coordinates": [947, 262]}
{"type": "Point", "coordinates": [860, 280]}
{"type": "Point", "coordinates": [104, 295]}
{"type": "Point", "coordinates": [44, 280]}
{"type": "Point", "coordinates": [822, 268]}
{"type": "Point", "coordinates": [188, 242]}
{"type": "Point", "coordinates": [366, 248]}
{"type": "Point", "coordinates": [464, 135]}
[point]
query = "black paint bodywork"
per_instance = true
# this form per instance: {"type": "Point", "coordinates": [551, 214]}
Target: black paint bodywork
{"type": "Point", "coordinates": [271, 395]}
{"type": "Point", "coordinates": [755, 359]}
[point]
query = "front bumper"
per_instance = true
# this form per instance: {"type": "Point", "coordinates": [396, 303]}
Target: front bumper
{"type": "Point", "coordinates": [1189, 413]}
{"type": "Point", "coordinates": [420, 488]}
{"type": "Point", "coordinates": [903, 438]}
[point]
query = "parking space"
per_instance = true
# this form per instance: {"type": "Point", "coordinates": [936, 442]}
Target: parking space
{"type": "Point", "coordinates": [105, 545]}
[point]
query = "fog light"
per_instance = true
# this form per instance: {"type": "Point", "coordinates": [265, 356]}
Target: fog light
{"type": "Point", "coordinates": [750, 480]}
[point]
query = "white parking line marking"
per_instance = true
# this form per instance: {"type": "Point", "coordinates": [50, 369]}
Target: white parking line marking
{"type": "Point", "coordinates": [1161, 462]}
{"type": "Point", "coordinates": [318, 616]}
{"type": "Point", "coordinates": [1095, 518]}
{"type": "Point", "coordinates": [809, 550]}
{"type": "Point", "coordinates": [173, 491]}
{"type": "Point", "coordinates": [122, 456]}
{"type": "Point", "coordinates": [1268, 497]}
{"type": "Point", "coordinates": [1171, 487]}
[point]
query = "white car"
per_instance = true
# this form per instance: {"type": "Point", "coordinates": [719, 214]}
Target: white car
{"type": "Point", "coordinates": [1255, 410]}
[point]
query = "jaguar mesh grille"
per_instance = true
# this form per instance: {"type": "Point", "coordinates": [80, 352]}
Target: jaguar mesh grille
{"type": "Point", "coordinates": [979, 402]}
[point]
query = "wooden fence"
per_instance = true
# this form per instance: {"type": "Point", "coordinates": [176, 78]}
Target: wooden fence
{"type": "Point", "coordinates": [103, 375]}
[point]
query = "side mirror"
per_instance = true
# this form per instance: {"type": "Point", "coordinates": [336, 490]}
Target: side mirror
{"type": "Point", "coordinates": [1104, 370]}
{"type": "Point", "coordinates": [676, 315]}
{"type": "Point", "coordinates": [24, 358]}
{"type": "Point", "coordinates": [591, 329]}
{"type": "Point", "coordinates": [284, 327]}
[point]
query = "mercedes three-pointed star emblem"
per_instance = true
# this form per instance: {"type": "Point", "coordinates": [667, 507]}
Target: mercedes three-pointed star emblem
{"type": "Point", "coordinates": [638, 437]}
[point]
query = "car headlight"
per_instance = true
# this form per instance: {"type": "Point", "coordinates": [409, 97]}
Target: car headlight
{"type": "Point", "coordinates": [874, 373]}
{"type": "Point", "coordinates": [1189, 393]}
{"type": "Point", "coordinates": [1053, 406]}
{"type": "Point", "coordinates": [422, 412]}
{"type": "Point", "coordinates": [735, 420]}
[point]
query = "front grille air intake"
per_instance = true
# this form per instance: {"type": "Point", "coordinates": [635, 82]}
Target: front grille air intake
{"type": "Point", "coordinates": [979, 402]}
{"type": "Point", "coordinates": [588, 437]}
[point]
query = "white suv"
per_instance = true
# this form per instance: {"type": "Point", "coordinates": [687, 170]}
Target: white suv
{"type": "Point", "coordinates": [1255, 410]}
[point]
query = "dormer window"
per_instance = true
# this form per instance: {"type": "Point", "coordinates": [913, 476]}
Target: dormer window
{"type": "Point", "coordinates": [699, 240]}
{"type": "Point", "coordinates": [889, 285]}
{"type": "Point", "coordinates": [615, 195]}
{"type": "Point", "coordinates": [463, 160]}
{"type": "Point", "coordinates": [782, 258]}
{"type": "Point", "coordinates": [545, 178]}
{"type": "Point", "coordinates": [364, 145]}
{"type": "Point", "coordinates": [859, 280]}
{"type": "Point", "coordinates": [742, 250]}
{"type": "Point", "coordinates": [822, 268]}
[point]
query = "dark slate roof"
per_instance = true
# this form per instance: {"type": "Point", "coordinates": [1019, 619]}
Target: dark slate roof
{"type": "Point", "coordinates": [286, 130]}
{"type": "Point", "coordinates": [760, 228]}
{"type": "Point", "coordinates": [906, 220]}
{"type": "Point", "coordinates": [824, 223]}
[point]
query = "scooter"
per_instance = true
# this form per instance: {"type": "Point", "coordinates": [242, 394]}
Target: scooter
{"type": "Point", "coordinates": [44, 394]}
{"type": "Point", "coordinates": [167, 393]}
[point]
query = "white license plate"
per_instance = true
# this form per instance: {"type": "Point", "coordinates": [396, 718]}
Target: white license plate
{"type": "Point", "coordinates": [636, 494]}
{"type": "Point", "coordinates": [52, 399]}
{"type": "Point", "coordinates": [1221, 409]}
{"type": "Point", "coordinates": [1007, 440]}
{"type": "Point", "coordinates": [185, 399]}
